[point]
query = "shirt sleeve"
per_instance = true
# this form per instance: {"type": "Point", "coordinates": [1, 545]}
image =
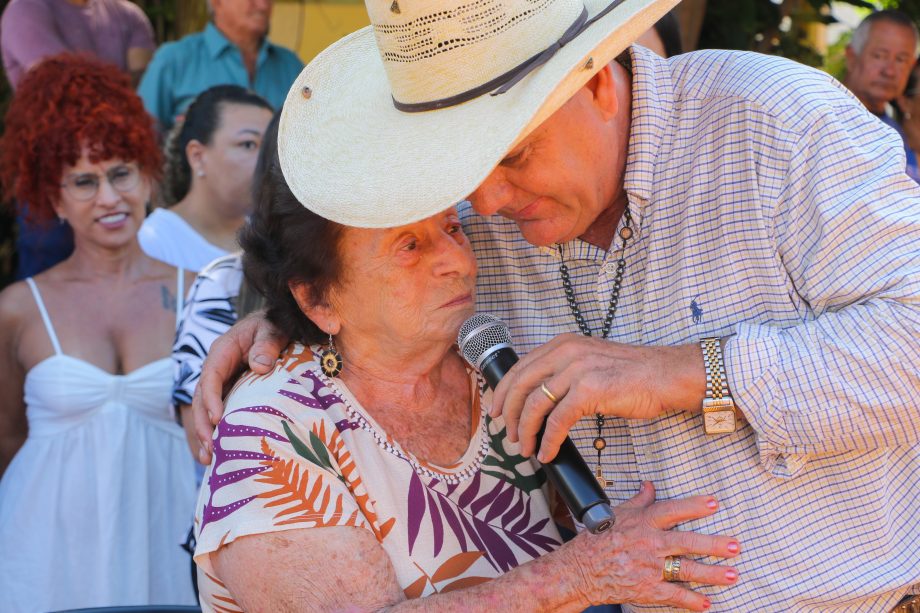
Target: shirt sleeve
{"type": "Point", "coordinates": [29, 34]}
{"type": "Point", "coordinates": [272, 471]}
{"type": "Point", "coordinates": [209, 312]}
{"type": "Point", "coordinates": [154, 88]}
{"type": "Point", "coordinates": [140, 30]}
{"type": "Point", "coordinates": [847, 230]}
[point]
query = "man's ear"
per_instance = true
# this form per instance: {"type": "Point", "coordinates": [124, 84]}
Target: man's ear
{"type": "Point", "coordinates": [603, 88]}
{"type": "Point", "coordinates": [850, 57]}
{"type": "Point", "coordinates": [319, 311]}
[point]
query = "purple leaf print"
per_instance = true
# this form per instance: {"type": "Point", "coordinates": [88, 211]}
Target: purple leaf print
{"type": "Point", "coordinates": [515, 511]}
{"type": "Point", "coordinates": [474, 536]}
{"type": "Point", "coordinates": [416, 507]}
{"type": "Point", "coordinates": [454, 522]}
{"type": "Point", "coordinates": [469, 494]}
{"type": "Point", "coordinates": [437, 525]}
{"type": "Point", "coordinates": [343, 425]}
{"type": "Point", "coordinates": [525, 519]}
{"type": "Point", "coordinates": [501, 504]}
{"type": "Point", "coordinates": [496, 547]}
{"type": "Point", "coordinates": [478, 505]}
{"type": "Point", "coordinates": [523, 544]}
{"type": "Point", "coordinates": [225, 430]}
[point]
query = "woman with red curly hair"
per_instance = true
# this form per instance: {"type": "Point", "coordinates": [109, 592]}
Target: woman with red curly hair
{"type": "Point", "coordinates": [101, 484]}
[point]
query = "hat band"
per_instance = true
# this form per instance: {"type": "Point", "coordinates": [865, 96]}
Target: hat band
{"type": "Point", "coordinates": [515, 74]}
{"type": "Point", "coordinates": [504, 82]}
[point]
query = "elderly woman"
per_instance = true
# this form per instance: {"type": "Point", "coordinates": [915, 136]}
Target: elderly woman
{"type": "Point", "coordinates": [100, 486]}
{"type": "Point", "coordinates": [364, 470]}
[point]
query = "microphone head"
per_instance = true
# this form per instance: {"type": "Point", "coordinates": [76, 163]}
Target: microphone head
{"type": "Point", "coordinates": [479, 334]}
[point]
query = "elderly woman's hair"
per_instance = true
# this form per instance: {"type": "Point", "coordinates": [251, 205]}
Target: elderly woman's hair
{"type": "Point", "coordinates": [250, 299]}
{"type": "Point", "coordinates": [861, 33]}
{"type": "Point", "coordinates": [65, 103]}
{"type": "Point", "coordinates": [201, 121]}
{"type": "Point", "coordinates": [284, 243]}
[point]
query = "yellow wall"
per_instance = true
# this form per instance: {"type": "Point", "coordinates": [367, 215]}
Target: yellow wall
{"type": "Point", "coordinates": [309, 26]}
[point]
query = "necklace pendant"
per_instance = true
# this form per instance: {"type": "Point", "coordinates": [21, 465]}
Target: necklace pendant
{"type": "Point", "coordinates": [599, 475]}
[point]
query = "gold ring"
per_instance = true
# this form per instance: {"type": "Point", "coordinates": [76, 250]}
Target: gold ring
{"type": "Point", "coordinates": [671, 568]}
{"type": "Point", "coordinates": [548, 393]}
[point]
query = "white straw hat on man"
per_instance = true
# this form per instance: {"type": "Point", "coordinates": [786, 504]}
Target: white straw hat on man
{"type": "Point", "coordinates": [406, 117]}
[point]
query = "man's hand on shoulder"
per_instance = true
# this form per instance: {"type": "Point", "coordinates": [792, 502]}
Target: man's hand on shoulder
{"type": "Point", "coordinates": [253, 338]}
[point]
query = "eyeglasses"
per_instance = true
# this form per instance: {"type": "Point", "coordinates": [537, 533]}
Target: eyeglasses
{"type": "Point", "coordinates": [122, 178]}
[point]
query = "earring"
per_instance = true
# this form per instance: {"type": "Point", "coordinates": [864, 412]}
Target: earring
{"type": "Point", "coordinates": [331, 360]}
{"type": "Point", "coordinates": [199, 172]}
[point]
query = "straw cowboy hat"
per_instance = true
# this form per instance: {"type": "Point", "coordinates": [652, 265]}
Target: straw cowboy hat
{"type": "Point", "coordinates": [406, 117]}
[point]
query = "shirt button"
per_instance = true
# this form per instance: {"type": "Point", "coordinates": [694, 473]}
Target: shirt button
{"type": "Point", "coordinates": [610, 268]}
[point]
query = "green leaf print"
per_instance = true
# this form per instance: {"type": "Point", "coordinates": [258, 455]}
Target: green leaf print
{"type": "Point", "coordinates": [316, 453]}
{"type": "Point", "coordinates": [506, 465]}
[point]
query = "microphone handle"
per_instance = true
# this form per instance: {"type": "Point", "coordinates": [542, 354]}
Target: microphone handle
{"type": "Point", "coordinates": [568, 472]}
{"type": "Point", "coordinates": [577, 486]}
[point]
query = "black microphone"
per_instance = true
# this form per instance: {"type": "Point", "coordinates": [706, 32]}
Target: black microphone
{"type": "Point", "coordinates": [485, 343]}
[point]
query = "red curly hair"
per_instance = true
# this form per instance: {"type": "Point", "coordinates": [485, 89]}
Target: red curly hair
{"type": "Point", "coordinates": [68, 102]}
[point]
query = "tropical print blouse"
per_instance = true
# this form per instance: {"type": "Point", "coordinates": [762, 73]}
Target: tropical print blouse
{"type": "Point", "coordinates": [296, 450]}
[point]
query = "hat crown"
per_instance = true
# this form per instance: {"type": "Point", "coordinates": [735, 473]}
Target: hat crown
{"type": "Point", "coordinates": [436, 49]}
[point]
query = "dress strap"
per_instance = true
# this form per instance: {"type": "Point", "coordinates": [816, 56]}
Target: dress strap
{"type": "Point", "coordinates": [45, 318]}
{"type": "Point", "coordinates": [180, 294]}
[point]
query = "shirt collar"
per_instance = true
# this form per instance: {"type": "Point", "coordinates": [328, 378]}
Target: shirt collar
{"type": "Point", "coordinates": [652, 112]}
{"type": "Point", "coordinates": [652, 109]}
{"type": "Point", "coordinates": [217, 43]}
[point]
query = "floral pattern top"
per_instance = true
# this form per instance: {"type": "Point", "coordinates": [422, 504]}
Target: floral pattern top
{"type": "Point", "coordinates": [296, 450]}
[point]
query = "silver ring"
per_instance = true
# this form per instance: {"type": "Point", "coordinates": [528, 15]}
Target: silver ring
{"type": "Point", "coordinates": [548, 394]}
{"type": "Point", "coordinates": [671, 569]}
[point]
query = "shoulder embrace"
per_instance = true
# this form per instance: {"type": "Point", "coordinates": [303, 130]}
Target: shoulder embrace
{"type": "Point", "coordinates": [294, 376]}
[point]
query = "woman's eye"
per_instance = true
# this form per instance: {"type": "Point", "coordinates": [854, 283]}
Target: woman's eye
{"type": "Point", "coordinates": [249, 145]}
{"type": "Point", "coordinates": [85, 181]}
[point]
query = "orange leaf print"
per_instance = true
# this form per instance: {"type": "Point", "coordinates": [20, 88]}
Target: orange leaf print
{"type": "Point", "coordinates": [290, 491]}
{"type": "Point", "coordinates": [456, 565]}
{"type": "Point", "coordinates": [224, 604]}
{"type": "Point", "coordinates": [417, 588]}
{"type": "Point", "coordinates": [459, 584]}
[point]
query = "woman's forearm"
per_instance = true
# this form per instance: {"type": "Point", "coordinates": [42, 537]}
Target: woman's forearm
{"type": "Point", "coordinates": [553, 582]}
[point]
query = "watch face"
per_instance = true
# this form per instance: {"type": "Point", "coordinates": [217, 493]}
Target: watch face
{"type": "Point", "coordinates": [719, 422]}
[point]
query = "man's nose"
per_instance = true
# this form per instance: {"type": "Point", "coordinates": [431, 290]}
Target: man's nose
{"type": "Point", "coordinates": [492, 195]}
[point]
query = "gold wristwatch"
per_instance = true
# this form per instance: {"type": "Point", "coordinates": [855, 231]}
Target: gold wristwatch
{"type": "Point", "coordinates": [718, 405]}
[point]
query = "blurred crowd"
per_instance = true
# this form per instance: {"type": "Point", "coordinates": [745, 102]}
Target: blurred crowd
{"type": "Point", "coordinates": [132, 169]}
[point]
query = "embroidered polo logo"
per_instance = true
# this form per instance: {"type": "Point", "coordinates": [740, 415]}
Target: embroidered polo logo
{"type": "Point", "coordinates": [696, 311]}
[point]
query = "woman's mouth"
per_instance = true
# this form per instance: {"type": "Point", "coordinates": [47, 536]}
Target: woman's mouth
{"type": "Point", "coordinates": [114, 220]}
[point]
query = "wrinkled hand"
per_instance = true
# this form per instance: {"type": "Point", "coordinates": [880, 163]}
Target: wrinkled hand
{"type": "Point", "coordinates": [625, 564]}
{"type": "Point", "coordinates": [588, 376]}
{"type": "Point", "coordinates": [253, 337]}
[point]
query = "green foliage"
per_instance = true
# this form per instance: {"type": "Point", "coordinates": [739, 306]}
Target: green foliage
{"type": "Point", "coordinates": [769, 27]}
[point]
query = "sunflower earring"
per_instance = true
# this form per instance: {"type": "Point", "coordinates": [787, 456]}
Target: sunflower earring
{"type": "Point", "coordinates": [331, 360]}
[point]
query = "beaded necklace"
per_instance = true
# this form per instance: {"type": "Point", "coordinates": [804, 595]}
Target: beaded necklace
{"type": "Point", "coordinates": [625, 234]}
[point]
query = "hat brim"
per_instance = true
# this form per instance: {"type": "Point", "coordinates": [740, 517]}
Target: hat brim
{"type": "Point", "coordinates": [350, 156]}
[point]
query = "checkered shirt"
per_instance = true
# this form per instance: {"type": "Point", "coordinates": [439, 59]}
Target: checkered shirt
{"type": "Point", "coordinates": [768, 204]}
